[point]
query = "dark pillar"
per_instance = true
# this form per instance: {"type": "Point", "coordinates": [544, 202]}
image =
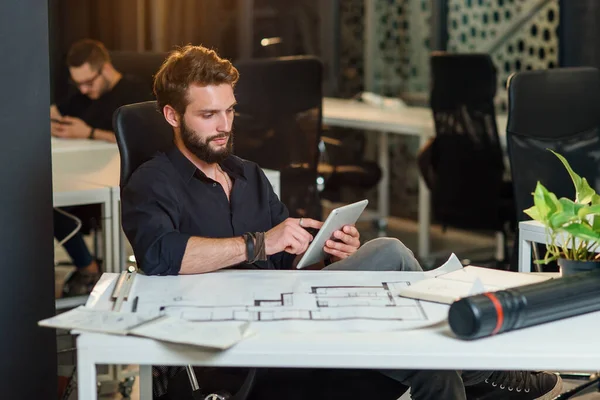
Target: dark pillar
{"type": "Point", "coordinates": [27, 352]}
{"type": "Point", "coordinates": [579, 33]}
{"type": "Point", "coordinates": [439, 24]}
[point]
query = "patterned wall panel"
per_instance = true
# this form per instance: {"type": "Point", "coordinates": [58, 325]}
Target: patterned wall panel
{"type": "Point", "coordinates": [352, 45]}
{"type": "Point", "coordinates": [401, 57]}
{"type": "Point", "coordinates": [401, 62]}
{"type": "Point", "coordinates": [400, 65]}
{"type": "Point", "coordinates": [481, 25]}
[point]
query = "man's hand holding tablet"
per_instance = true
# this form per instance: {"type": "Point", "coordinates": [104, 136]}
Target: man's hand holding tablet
{"type": "Point", "coordinates": [337, 237]}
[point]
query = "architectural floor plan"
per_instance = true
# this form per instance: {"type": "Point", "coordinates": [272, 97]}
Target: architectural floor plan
{"type": "Point", "coordinates": [330, 302]}
{"type": "Point", "coordinates": [293, 301]}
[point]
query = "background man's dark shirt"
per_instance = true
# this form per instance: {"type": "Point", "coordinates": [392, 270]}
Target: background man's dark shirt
{"type": "Point", "coordinates": [167, 200]}
{"type": "Point", "coordinates": [98, 113]}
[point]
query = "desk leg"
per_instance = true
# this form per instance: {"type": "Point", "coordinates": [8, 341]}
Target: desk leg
{"type": "Point", "coordinates": [424, 212]}
{"type": "Point", "coordinates": [524, 255]}
{"type": "Point", "coordinates": [86, 377]}
{"type": "Point", "coordinates": [145, 382]}
{"type": "Point", "coordinates": [383, 202]}
{"type": "Point", "coordinates": [108, 218]}
{"type": "Point", "coordinates": [118, 262]}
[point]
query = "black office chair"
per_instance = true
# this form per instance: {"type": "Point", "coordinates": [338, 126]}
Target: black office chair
{"type": "Point", "coordinates": [142, 131]}
{"type": "Point", "coordinates": [463, 165]}
{"type": "Point", "coordinates": [278, 125]}
{"type": "Point", "coordinates": [556, 109]}
{"type": "Point", "coordinates": [343, 164]}
{"type": "Point", "coordinates": [143, 65]}
{"type": "Point", "coordinates": [539, 119]}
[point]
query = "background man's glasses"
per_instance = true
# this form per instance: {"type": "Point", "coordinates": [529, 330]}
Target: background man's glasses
{"type": "Point", "coordinates": [87, 83]}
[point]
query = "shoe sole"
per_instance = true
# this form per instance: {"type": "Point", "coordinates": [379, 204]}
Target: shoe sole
{"type": "Point", "coordinates": [556, 390]}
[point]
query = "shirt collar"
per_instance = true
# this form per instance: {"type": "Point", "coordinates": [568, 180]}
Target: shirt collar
{"type": "Point", "coordinates": [233, 165]}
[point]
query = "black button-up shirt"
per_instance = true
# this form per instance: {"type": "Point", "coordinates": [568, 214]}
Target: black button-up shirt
{"type": "Point", "coordinates": [167, 200]}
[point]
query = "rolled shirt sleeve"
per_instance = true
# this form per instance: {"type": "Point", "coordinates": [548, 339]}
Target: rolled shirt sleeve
{"type": "Point", "coordinates": [150, 216]}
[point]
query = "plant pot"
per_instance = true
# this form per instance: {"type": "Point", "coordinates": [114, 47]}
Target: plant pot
{"type": "Point", "coordinates": [570, 267]}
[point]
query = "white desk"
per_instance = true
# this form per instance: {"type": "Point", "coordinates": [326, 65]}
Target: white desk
{"type": "Point", "coordinates": [428, 348]}
{"type": "Point", "coordinates": [529, 231]}
{"type": "Point", "coordinates": [533, 231]}
{"type": "Point", "coordinates": [72, 192]}
{"type": "Point", "coordinates": [79, 145]}
{"type": "Point", "coordinates": [412, 121]}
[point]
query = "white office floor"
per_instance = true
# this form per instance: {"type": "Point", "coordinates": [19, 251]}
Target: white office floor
{"type": "Point", "coordinates": [464, 244]}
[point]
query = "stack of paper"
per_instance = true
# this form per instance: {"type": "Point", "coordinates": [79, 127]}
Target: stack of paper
{"type": "Point", "coordinates": [467, 281]}
{"type": "Point", "coordinates": [175, 330]}
{"type": "Point", "coordinates": [87, 319]}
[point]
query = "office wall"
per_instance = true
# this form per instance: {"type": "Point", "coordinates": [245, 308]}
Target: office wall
{"type": "Point", "coordinates": [27, 353]}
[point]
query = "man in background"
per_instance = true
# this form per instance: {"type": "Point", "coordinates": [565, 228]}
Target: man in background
{"type": "Point", "coordinates": [87, 114]}
{"type": "Point", "coordinates": [101, 90]}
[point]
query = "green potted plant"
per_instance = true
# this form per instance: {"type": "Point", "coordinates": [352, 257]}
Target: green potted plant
{"type": "Point", "coordinates": [573, 226]}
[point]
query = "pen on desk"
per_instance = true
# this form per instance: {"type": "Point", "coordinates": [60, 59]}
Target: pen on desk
{"type": "Point", "coordinates": [135, 303]}
{"type": "Point", "coordinates": [123, 287]}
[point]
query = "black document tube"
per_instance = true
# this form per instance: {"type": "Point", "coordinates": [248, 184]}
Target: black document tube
{"type": "Point", "coordinates": [491, 313]}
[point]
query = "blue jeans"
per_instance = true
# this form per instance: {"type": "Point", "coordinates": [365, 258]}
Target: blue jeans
{"type": "Point", "coordinates": [75, 247]}
{"type": "Point", "coordinates": [388, 254]}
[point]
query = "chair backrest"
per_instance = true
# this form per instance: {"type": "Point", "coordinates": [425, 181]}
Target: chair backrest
{"type": "Point", "coordinates": [143, 65]}
{"type": "Point", "coordinates": [141, 131]}
{"type": "Point", "coordinates": [278, 123]}
{"type": "Point", "coordinates": [556, 109]}
{"type": "Point", "coordinates": [466, 157]}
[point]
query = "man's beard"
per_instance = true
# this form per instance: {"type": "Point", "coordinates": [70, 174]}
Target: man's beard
{"type": "Point", "coordinates": [104, 87]}
{"type": "Point", "coordinates": [201, 148]}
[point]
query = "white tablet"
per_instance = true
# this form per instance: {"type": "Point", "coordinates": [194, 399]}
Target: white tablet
{"type": "Point", "coordinates": [345, 215]}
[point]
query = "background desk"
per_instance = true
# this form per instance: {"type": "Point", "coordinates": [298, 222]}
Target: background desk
{"type": "Point", "coordinates": [77, 145]}
{"type": "Point", "coordinates": [69, 191]}
{"type": "Point", "coordinates": [428, 348]}
{"type": "Point", "coordinates": [412, 121]}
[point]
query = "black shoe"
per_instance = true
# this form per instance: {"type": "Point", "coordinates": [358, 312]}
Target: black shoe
{"type": "Point", "coordinates": [516, 385]}
{"type": "Point", "coordinates": [80, 283]}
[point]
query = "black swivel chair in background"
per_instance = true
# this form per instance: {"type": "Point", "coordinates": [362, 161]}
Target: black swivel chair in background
{"type": "Point", "coordinates": [278, 124]}
{"type": "Point", "coordinates": [143, 65]}
{"type": "Point", "coordinates": [555, 109]}
{"type": "Point", "coordinates": [343, 164]}
{"type": "Point", "coordinates": [463, 165]}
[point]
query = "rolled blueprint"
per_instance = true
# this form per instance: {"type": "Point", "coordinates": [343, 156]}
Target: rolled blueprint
{"type": "Point", "coordinates": [491, 313]}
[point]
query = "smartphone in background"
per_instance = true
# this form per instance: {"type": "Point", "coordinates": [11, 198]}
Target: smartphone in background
{"type": "Point", "coordinates": [58, 121]}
